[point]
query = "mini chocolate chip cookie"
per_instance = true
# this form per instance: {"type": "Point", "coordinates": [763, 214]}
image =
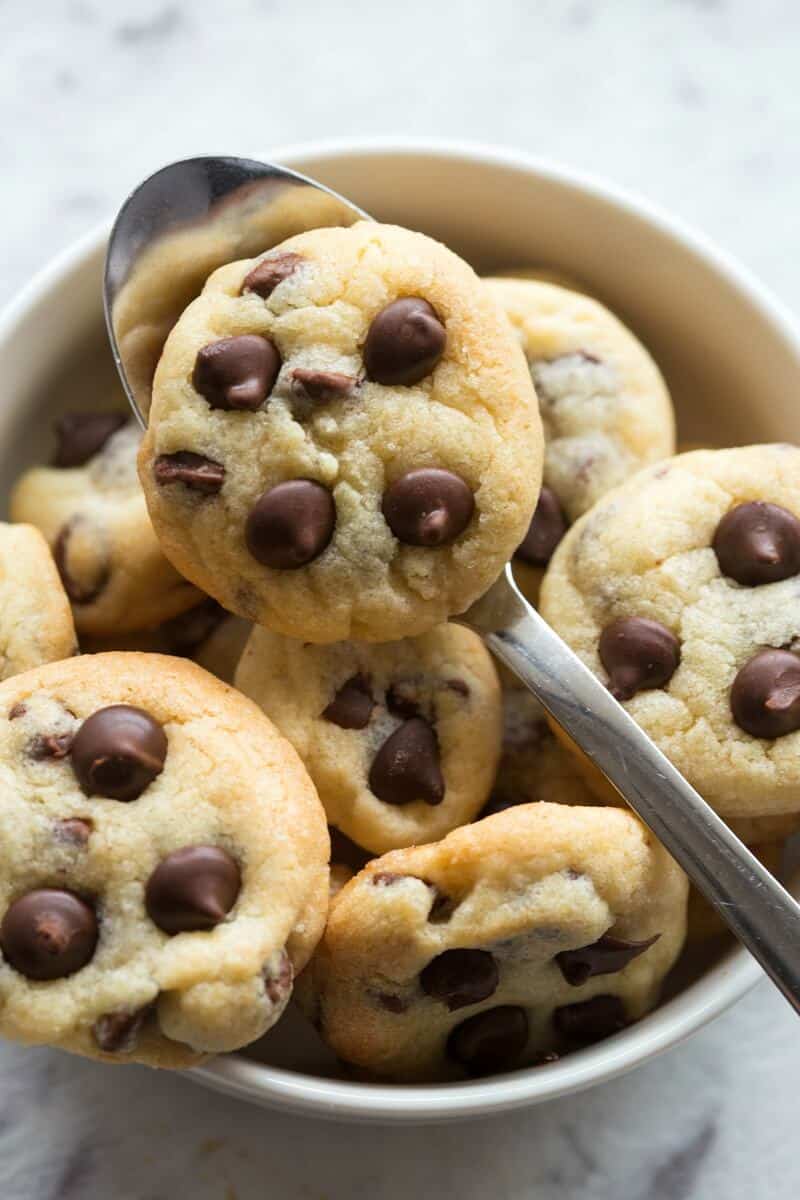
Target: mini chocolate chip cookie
{"type": "Point", "coordinates": [401, 740]}
{"type": "Point", "coordinates": [89, 505]}
{"type": "Point", "coordinates": [35, 618]}
{"type": "Point", "coordinates": [164, 870]}
{"type": "Point", "coordinates": [531, 933]}
{"type": "Point", "coordinates": [605, 408]}
{"type": "Point", "coordinates": [344, 440]}
{"type": "Point", "coordinates": [680, 590]}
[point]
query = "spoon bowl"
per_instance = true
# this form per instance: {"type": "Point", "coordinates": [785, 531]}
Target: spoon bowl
{"type": "Point", "coordinates": [178, 226]}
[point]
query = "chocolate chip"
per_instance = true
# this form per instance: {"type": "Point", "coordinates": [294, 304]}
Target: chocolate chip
{"type": "Point", "coordinates": [402, 699]}
{"type": "Point", "coordinates": [75, 830]}
{"type": "Point", "coordinates": [638, 654]}
{"type": "Point", "coordinates": [404, 343]}
{"type": "Point", "coordinates": [442, 908]}
{"type": "Point", "coordinates": [17, 710]}
{"type": "Point", "coordinates": [50, 745]}
{"type": "Point", "coordinates": [351, 707]}
{"type": "Point", "coordinates": [237, 372]}
{"type": "Point", "coordinates": [198, 473]}
{"type": "Point", "coordinates": [192, 889]}
{"type": "Point", "coordinates": [460, 977]}
{"type": "Point", "coordinates": [345, 851]}
{"type": "Point", "coordinates": [118, 1032]}
{"type": "Point", "coordinates": [80, 435]}
{"type": "Point", "coordinates": [604, 957]}
{"type": "Point", "coordinates": [765, 696]}
{"type": "Point", "coordinates": [322, 387]}
{"type": "Point", "coordinates": [758, 543]}
{"type": "Point", "coordinates": [547, 528]}
{"type": "Point", "coordinates": [66, 549]}
{"type": "Point", "coordinates": [590, 1020]}
{"type": "Point", "coordinates": [48, 934]}
{"type": "Point", "coordinates": [118, 751]}
{"type": "Point", "coordinates": [291, 524]}
{"type": "Point", "coordinates": [278, 983]}
{"type": "Point", "coordinates": [406, 767]}
{"type": "Point", "coordinates": [491, 1041]}
{"type": "Point", "coordinates": [428, 507]}
{"type": "Point", "coordinates": [391, 1002]}
{"type": "Point", "coordinates": [266, 275]}
{"type": "Point", "coordinates": [186, 632]}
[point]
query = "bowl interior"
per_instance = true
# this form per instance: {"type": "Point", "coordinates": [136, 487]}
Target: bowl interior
{"type": "Point", "coordinates": [731, 361]}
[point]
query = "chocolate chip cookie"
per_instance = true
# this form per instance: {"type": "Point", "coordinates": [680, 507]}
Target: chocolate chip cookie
{"type": "Point", "coordinates": [164, 861]}
{"type": "Point", "coordinates": [531, 933]}
{"type": "Point", "coordinates": [605, 408]}
{"type": "Point", "coordinates": [401, 740]}
{"type": "Point", "coordinates": [680, 590]}
{"type": "Point", "coordinates": [344, 440]}
{"type": "Point", "coordinates": [35, 618]}
{"type": "Point", "coordinates": [89, 505]}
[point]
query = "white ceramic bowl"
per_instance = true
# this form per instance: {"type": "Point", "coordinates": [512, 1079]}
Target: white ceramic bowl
{"type": "Point", "coordinates": [732, 359]}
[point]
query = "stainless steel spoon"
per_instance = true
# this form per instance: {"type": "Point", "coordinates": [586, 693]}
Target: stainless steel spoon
{"type": "Point", "coordinates": [177, 227]}
{"type": "Point", "coordinates": [195, 215]}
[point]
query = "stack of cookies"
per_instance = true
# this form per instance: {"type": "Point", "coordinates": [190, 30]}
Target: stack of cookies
{"type": "Point", "coordinates": [349, 437]}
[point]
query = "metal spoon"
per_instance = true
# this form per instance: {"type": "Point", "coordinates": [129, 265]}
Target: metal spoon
{"type": "Point", "coordinates": [177, 227]}
{"type": "Point", "coordinates": [195, 215]}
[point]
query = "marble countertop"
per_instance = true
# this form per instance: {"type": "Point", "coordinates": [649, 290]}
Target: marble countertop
{"type": "Point", "coordinates": [694, 103]}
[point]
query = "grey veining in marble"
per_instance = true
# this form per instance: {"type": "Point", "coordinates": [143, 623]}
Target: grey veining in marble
{"type": "Point", "coordinates": [694, 103]}
{"type": "Point", "coordinates": [714, 1119]}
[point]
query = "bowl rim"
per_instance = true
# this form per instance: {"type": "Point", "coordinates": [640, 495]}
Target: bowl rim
{"type": "Point", "coordinates": [377, 1103]}
{"type": "Point", "coordinates": [685, 1013]}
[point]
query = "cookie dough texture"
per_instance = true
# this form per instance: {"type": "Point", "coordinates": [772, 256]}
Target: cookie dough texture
{"type": "Point", "coordinates": [473, 414]}
{"type": "Point", "coordinates": [95, 520]}
{"type": "Point", "coordinates": [228, 781]}
{"type": "Point", "coordinates": [519, 888]}
{"type": "Point", "coordinates": [35, 619]}
{"type": "Point", "coordinates": [443, 680]}
{"type": "Point", "coordinates": [645, 550]}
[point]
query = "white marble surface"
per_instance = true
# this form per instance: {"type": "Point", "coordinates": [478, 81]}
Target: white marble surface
{"type": "Point", "coordinates": [693, 102]}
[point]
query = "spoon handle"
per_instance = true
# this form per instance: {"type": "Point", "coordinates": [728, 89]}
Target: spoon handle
{"type": "Point", "coordinates": [761, 913]}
